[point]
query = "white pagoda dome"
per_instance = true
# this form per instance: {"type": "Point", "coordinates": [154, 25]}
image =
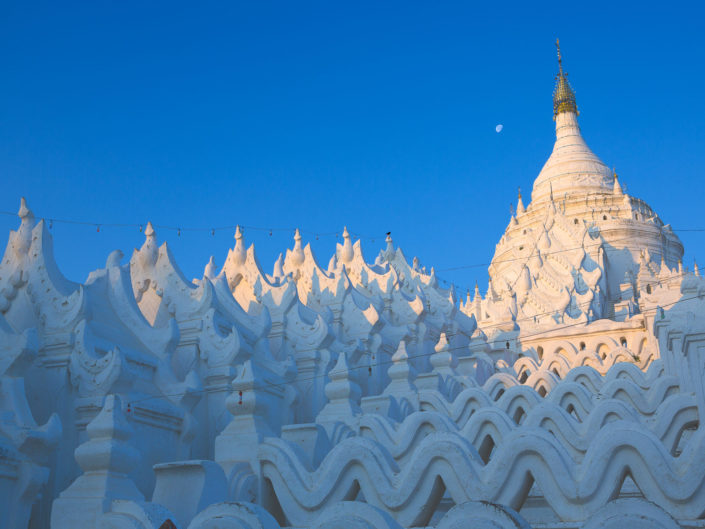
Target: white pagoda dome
{"type": "Point", "coordinates": [573, 255]}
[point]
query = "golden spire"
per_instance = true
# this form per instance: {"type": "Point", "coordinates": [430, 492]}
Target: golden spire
{"type": "Point", "coordinates": [563, 95]}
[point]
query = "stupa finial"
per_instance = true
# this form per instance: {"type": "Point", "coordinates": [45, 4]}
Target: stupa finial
{"type": "Point", "coordinates": [563, 95]}
{"type": "Point", "coordinates": [617, 185]}
{"type": "Point", "coordinates": [346, 253]}
{"type": "Point", "coordinates": [297, 256]}
{"type": "Point", "coordinates": [297, 240]}
{"type": "Point", "coordinates": [520, 204]}
{"type": "Point", "coordinates": [210, 270]}
{"type": "Point", "coordinates": [24, 211]}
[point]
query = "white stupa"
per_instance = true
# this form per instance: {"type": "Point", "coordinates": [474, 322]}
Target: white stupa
{"type": "Point", "coordinates": [364, 395]}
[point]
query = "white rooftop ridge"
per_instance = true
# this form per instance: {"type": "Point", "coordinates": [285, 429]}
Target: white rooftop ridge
{"type": "Point", "coordinates": [364, 395]}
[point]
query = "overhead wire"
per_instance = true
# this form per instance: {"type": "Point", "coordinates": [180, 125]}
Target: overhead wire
{"type": "Point", "coordinates": [455, 284]}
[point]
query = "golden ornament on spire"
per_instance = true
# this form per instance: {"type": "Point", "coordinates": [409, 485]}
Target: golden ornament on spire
{"type": "Point", "coordinates": [563, 95]}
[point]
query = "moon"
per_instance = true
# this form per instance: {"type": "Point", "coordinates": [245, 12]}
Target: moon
{"type": "Point", "coordinates": [499, 128]}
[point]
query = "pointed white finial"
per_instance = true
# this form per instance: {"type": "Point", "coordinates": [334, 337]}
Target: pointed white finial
{"type": "Point", "coordinates": [210, 269]}
{"type": "Point", "coordinates": [696, 270]}
{"type": "Point", "coordinates": [520, 204]}
{"type": "Point", "coordinates": [279, 267]}
{"type": "Point", "coordinates": [149, 251]}
{"type": "Point", "coordinates": [617, 188]}
{"type": "Point", "coordinates": [23, 240]}
{"type": "Point", "coordinates": [297, 240]}
{"type": "Point", "coordinates": [443, 359]}
{"type": "Point", "coordinates": [297, 255]}
{"type": "Point", "coordinates": [149, 231]}
{"type": "Point", "coordinates": [107, 449]}
{"type": "Point", "coordinates": [346, 254]}
{"type": "Point", "coordinates": [24, 211]}
{"type": "Point", "coordinates": [390, 243]}
{"type": "Point", "coordinates": [239, 254]}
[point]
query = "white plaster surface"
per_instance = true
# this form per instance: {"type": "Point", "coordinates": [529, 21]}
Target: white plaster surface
{"type": "Point", "coordinates": [364, 394]}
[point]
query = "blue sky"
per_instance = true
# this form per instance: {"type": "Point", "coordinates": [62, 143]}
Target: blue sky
{"type": "Point", "coordinates": [376, 115]}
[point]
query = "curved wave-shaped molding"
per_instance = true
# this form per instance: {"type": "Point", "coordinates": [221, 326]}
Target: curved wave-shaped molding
{"type": "Point", "coordinates": [498, 383]}
{"type": "Point", "coordinates": [644, 391]}
{"type": "Point", "coordinates": [465, 404]}
{"type": "Point", "coordinates": [402, 441]}
{"type": "Point", "coordinates": [645, 402]}
{"type": "Point", "coordinates": [576, 394]}
{"type": "Point", "coordinates": [593, 380]}
{"type": "Point", "coordinates": [562, 363]}
{"type": "Point", "coordinates": [675, 415]}
{"type": "Point", "coordinates": [445, 462]}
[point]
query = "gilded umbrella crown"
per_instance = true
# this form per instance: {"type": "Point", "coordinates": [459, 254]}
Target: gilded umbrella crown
{"type": "Point", "coordinates": [563, 95]}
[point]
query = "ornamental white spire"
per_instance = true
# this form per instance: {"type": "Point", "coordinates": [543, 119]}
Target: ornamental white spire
{"type": "Point", "coordinates": [149, 251]}
{"type": "Point", "coordinates": [520, 204]}
{"type": "Point", "coordinates": [346, 253]}
{"type": "Point", "coordinates": [297, 254]}
{"type": "Point", "coordinates": [210, 270]}
{"type": "Point", "coordinates": [23, 240]}
{"type": "Point", "coordinates": [617, 187]}
{"type": "Point", "coordinates": [24, 212]}
{"type": "Point", "coordinates": [149, 233]}
{"type": "Point", "coordinates": [239, 253]}
{"type": "Point", "coordinates": [572, 167]}
{"type": "Point", "coordinates": [389, 252]}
